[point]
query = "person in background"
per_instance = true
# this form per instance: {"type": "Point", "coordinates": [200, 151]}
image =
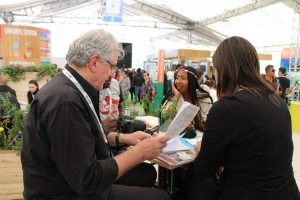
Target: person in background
{"type": "Point", "coordinates": [212, 89]}
{"type": "Point", "coordinates": [166, 86]}
{"type": "Point", "coordinates": [284, 84]}
{"type": "Point", "coordinates": [270, 76]}
{"type": "Point", "coordinates": [200, 77]}
{"type": "Point", "coordinates": [7, 92]}
{"type": "Point", "coordinates": [117, 75]}
{"type": "Point", "coordinates": [138, 82]}
{"type": "Point", "coordinates": [125, 84]}
{"type": "Point", "coordinates": [256, 150]}
{"type": "Point", "coordinates": [131, 90]}
{"type": "Point", "coordinates": [109, 103]}
{"type": "Point", "coordinates": [33, 90]}
{"type": "Point", "coordinates": [66, 153]}
{"type": "Point", "coordinates": [170, 80]}
{"type": "Point", "coordinates": [5, 88]}
{"type": "Point", "coordinates": [148, 91]}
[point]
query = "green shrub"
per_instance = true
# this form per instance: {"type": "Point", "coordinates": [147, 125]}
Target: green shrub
{"type": "Point", "coordinates": [13, 72]}
{"type": "Point", "coordinates": [47, 70]}
{"type": "Point", "coordinates": [32, 69]}
{"type": "Point", "coordinates": [11, 125]}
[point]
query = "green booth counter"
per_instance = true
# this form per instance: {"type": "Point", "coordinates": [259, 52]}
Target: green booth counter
{"type": "Point", "coordinates": [295, 115]}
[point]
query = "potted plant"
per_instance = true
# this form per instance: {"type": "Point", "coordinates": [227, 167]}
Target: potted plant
{"type": "Point", "coordinates": [13, 72]}
{"type": "Point", "coordinates": [11, 124]}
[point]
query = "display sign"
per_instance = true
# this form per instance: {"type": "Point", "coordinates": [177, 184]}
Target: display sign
{"type": "Point", "coordinates": [112, 11]}
{"type": "Point", "coordinates": [24, 45]}
{"type": "Point", "coordinates": [161, 66]}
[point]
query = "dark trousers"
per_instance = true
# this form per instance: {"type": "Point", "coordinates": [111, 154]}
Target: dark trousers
{"type": "Point", "coordinates": [131, 93]}
{"type": "Point", "coordinates": [143, 175]}
{"type": "Point", "coordinates": [122, 192]}
{"type": "Point", "coordinates": [136, 184]}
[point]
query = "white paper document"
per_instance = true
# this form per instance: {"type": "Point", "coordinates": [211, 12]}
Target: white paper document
{"type": "Point", "coordinates": [180, 144]}
{"type": "Point", "coordinates": [183, 118]}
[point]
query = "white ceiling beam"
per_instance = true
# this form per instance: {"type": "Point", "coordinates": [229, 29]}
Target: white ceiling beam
{"type": "Point", "coordinates": [178, 20]}
{"type": "Point", "coordinates": [238, 11]}
{"type": "Point", "coordinates": [24, 5]}
{"type": "Point", "coordinates": [63, 6]}
{"type": "Point", "coordinates": [226, 15]}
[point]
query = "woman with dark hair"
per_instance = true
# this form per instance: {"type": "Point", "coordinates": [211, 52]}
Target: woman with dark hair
{"type": "Point", "coordinates": [187, 88]}
{"type": "Point", "coordinates": [248, 134]}
{"type": "Point", "coordinates": [33, 90]}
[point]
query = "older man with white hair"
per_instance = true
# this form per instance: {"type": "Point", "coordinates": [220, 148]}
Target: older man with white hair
{"type": "Point", "coordinates": [66, 154]}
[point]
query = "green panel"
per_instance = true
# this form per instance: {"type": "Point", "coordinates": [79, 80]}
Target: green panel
{"type": "Point", "coordinates": [156, 103]}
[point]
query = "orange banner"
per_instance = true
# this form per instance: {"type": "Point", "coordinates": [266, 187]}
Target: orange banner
{"type": "Point", "coordinates": [161, 66]}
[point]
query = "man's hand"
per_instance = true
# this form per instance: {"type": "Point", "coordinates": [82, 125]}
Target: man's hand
{"type": "Point", "coordinates": [146, 149]}
{"type": "Point", "coordinates": [151, 147]}
{"type": "Point", "coordinates": [197, 146]}
{"type": "Point", "coordinates": [133, 138]}
{"type": "Point", "coordinates": [109, 123]}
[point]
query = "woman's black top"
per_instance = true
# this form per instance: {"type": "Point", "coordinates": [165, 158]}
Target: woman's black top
{"type": "Point", "coordinates": [252, 139]}
{"type": "Point", "coordinates": [30, 96]}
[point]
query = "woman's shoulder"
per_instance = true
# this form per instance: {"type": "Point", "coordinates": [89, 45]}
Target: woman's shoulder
{"type": "Point", "coordinates": [238, 101]}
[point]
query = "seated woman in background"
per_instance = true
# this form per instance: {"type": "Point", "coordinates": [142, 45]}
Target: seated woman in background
{"type": "Point", "coordinates": [187, 88]}
{"type": "Point", "coordinates": [33, 90]}
{"type": "Point", "coordinates": [248, 132]}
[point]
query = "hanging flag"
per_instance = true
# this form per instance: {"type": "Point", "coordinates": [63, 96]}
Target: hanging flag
{"type": "Point", "coordinates": [112, 11]}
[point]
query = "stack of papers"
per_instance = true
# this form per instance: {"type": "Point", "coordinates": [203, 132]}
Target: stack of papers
{"type": "Point", "coordinates": [182, 144]}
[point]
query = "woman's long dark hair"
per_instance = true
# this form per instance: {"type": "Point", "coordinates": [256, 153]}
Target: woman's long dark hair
{"type": "Point", "coordinates": [237, 65]}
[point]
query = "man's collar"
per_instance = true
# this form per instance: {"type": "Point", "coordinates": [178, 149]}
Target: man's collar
{"type": "Point", "coordinates": [90, 90]}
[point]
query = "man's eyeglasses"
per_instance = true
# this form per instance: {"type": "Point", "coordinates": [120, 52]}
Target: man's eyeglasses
{"type": "Point", "coordinates": [273, 70]}
{"type": "Point", "coordinates": [112, 67]}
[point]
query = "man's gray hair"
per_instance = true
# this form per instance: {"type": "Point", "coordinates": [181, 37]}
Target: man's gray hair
{"type": "Point", "coordinates": [95, 42]}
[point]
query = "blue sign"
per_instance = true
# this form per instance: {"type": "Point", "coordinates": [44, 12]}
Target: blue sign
{"type": "Point", "coordinates": [112, 11]}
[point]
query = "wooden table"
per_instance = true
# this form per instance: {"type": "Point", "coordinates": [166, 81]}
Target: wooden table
{"type": "Point", "coordinates": [167, 173]}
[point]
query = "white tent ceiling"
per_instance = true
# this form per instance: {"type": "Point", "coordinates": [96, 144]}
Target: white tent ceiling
{"type": "Point", "coordinates": [169, 24]}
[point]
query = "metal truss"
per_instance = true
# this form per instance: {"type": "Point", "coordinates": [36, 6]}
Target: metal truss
{"type": "Point", "coordinates": [238, 11]}
{"type": "Point", "coordinates": [176, 19]}
{"type": "Point", "coordinates": [228, 14]}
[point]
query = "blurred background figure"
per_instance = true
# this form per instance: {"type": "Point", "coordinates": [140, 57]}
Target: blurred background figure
{"type": "Point", "coordinates": [212, 89]}
{"type": "Point", "coordinates": [270, 76]}
{"type": "Point", "coordinates": [148, 91]}
{"type": "Point", "coordinates": [125, 84]}
{"type": "Point", "coordinates": [170, 77]}
{"type": "Point", "coordinates": [283, 84]}
{"type": "Point", "coordinates": [138, 82]}
{"type": "Point", "coordinates": [110, 99]}
{"type": "Point", "coordinates": [33, 90]}
{"type": "Point", "coordinates": [131, 77]}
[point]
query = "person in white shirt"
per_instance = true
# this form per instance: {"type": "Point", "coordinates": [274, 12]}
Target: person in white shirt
{"type": "Point", "coordinates": [109, 101]}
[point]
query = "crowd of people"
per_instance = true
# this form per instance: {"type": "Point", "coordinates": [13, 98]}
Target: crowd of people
{"type": "Point", "coordinates": [245, 153]}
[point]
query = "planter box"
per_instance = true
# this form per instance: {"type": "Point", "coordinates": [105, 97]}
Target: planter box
{"type": "Point", "coordinates": [11, 181]}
